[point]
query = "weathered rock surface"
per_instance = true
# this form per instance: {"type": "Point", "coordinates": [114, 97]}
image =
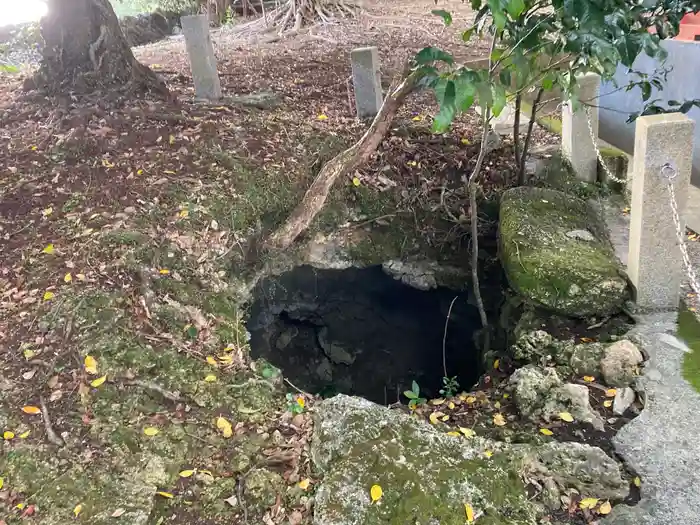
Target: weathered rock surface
{"type": "Point", "coordinates": [428, 476]}
{"type": "Point", "coordinates": [541, 394]}
{"type": "Point", "coordinates": [620, 365]}
{"type": "Point", "coordinates": [571, 275]}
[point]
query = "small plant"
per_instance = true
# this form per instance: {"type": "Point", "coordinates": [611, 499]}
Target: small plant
{"type": "Point", "coordinates": [413, 396]}
{"type": "Point", "coordinates": [450, 386]}
{"type": "Point", "coordinates": [295, 403]}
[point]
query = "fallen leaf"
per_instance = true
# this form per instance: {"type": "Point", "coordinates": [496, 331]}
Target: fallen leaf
{"type": "Point", "coordinates": [31, 410]}
{"type": "Point", "coordinates": [8, 435]}
{"type": "Point", "coordinates": [164, 271]}
{"type": "Point", "coordinates": [184, 214]}
{"type": "Point", "coordinates": [417, 118]}
{"type": "Point", "coordinates": [488, 453]}
{"type": "Point", "coordinates": [497, 405]}
{"type": "Point", "coordinates": [607, 403]}
{"type": "Point", "coordinates": [48, 296]}
{"type": "Point", "coordinates": [453, 433]}
{"type": "Point", "coordinates": [356, 181]}
{"type": "Point", "coordinates": [56, 395]}
{"type": "Point", "coordinates": [451, 405]}
{"type": "Point", "coordinates": [637, 481]}
{"type": "Point", "coordinates": [119, 512]}
{"type": "Point", "coordinates": [588, 379]}
{"type": "Point", "coordinates": [469, 511]}
{"type": "Point", "coordinates": [546, 432]}
{"type": "Point", "coordinates": [304, 484]}
{"type": "Point", "coordinates": [97, 382]}
{"type": "Point", "coordinates": [225, 426]}
{"type": "Point", "coordinates": [301, 402]}
{"type": "Point", "coordinates": [150, 431]}
{"type": "Point", "coordinates": [212, 361]}
{"type": "Point", "coordinates": [90, 365]}
{"type": "Point", "coordinates": [29, 374]}
{"type": "Point", "coordinates": [211, 378]}
{"type": "Point", "coordinates": [78, 509]}
{"type": "Point", "coordinates": [321, 117]}
{"type": "Point", "coordinates": [49, 249]}
{"type": "Point", "coordinates": [67, 278]}
{"type": "Point", "coordinates": [186, 473]}
{"type": "Point", "coordinates": [588, 503]}
{"type": "Point", "coordinates": [438, 401]}
{"type": "Point", "coordinates": [25, 435]}
{"type": "Point", "coordinates": [80, 276]}
{"type": "Point", "coordinates": [465, 141]}
{"type": "Point", "coordinates": [499, 420]}
{"type": "Point", "coordinates": [28, 353]}
{"type": "Point", "coordinates": [376, 493]}
{"type": "Point", "coordinates": [165, 494]}
{"type": "Point", "coordinates": [2, 482]}
{"type": "Point", "coordinates": [496, 364]}
{"type": "Point", "coordinates": [470, 399]}
{"type": "Point", "coordinates": [611, 392]}
{"type": "Point", "coordinates": [605, 508]}
{"type": "Point", "coordinates": [47, 211]}
{"type": "Point", "coordinates": [565, 416]}
{"type": "Point", "coordinates": [468, 432]}
{"type": "Point", "coordinates": [435, 416]}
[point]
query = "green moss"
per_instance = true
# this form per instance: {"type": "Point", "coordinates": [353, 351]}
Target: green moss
{"type": "Point", "coordinates": [689, 331]}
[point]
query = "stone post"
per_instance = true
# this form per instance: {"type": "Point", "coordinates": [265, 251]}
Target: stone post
{"type": "Point", "coordinates": [366, 81]}
{"type": "Point", "coordinates": [655, 266]}
{"type": "Point", "coordinates": [201, 54]}
{"type": "Point", "coordinates": [576, 143]}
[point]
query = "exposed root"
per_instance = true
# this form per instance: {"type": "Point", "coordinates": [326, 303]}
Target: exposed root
{"type": "Point", "coordinates": [341, 164]}
{"type": "Point", "coordinates": [295, 14]}
{"type": "Point", "coordinates": [50, 433]}
{"type": "Point", "coordinates": [172, 396]}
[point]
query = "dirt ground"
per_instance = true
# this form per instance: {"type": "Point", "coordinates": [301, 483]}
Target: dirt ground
{"type": "Point", "coordinates": [125, 226]}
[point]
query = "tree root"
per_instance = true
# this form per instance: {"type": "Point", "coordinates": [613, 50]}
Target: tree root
{"type": "Point", "coordinates": [295, 14]}
{"type": "Point", "coordinates": [341, 164]}
{"type": "Point", "coordinates": [50, 433]}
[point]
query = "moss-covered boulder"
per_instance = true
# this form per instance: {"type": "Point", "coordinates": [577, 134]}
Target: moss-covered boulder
{"type": "Point", "coordinates": [556, 253]}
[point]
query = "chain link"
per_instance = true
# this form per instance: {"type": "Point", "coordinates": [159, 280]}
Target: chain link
{"type": "Point", "coordinates": [680, 230]}
{"type": "Point", "coordinates": [594, 139]}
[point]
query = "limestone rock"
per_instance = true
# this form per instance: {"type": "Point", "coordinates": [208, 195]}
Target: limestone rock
{"type": "Point", "coordinates": [621, 363]}
{"type": "Point", "coordinates": [541, 394]}
{"type": "Point", "coordinates": [624, 397]}
{"type": "Point", "coordinates": [543, 264]}
{"type": "Point", "coordinates": [262, 487]}
{"type": "Point", "coordinates": [424, 473]}
{"type": "Point", "coordinates": [585, 359]}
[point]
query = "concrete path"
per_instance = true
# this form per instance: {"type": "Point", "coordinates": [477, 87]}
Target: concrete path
{"type": "Point", "coordinates": [663, 443]}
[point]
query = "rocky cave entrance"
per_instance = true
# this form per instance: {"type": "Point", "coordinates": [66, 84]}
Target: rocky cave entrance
{"type": "Point", "coordinates": [361, 332]}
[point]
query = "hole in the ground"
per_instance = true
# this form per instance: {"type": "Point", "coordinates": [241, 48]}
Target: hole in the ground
{"type": "Point", "coordinates": [361, 332]}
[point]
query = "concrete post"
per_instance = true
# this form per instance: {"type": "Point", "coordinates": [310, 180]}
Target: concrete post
{"type": "Point", "coordinates": [576, 142]}
{"type": "Point", "coordinates": [366, 81]}
{"type": "Point", "coordinates": [201, 54]}
{"type": "Point", "coordinates": [655, 266]}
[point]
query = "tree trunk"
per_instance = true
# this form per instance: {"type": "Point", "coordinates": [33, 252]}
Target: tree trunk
{"type": "Point", "coordinates": [85, 50]}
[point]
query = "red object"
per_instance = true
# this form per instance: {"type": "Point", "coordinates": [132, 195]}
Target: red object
{"type": "Point", "coordinates": [690, 28]}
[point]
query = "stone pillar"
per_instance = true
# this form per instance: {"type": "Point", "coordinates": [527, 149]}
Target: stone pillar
{"type": "Point", "coordinates": [655, 266]}
{"type": "Point", "coordinates": [201, 54]}
{"type": "Point", "coordinates": [576, 143]}
{"type": "Point", "coordinates": [366, 81]}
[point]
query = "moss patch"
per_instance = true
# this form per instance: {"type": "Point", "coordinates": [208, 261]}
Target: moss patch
{"type": "Point", "coordinates": [689, 331]}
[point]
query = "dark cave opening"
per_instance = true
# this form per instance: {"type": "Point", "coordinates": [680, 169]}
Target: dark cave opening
{"type": "Point", "coordinates": [361, 332]}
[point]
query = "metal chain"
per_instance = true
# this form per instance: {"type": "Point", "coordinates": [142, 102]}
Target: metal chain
{"type": "Point", "coordinates": [680, 230]}
{"type": "Point", "coordinates": [594, 139]}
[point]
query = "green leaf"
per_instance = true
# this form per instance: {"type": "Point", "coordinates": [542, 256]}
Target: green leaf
{"type": "Point", "coordinates": [476, 4]}
{"type": "Point", "coordinates": [410, 395]}
{"type": "Point", "coordinates": [515, 8]}
{"type": "Point", "coordinates": [505, 78]}
{"type": "Point", "coordinates": [467, 35]}
{"type": "Point", "coordinates": [192, 332]}
{"type": "Point", "coordinates": [9, 68]}
{"type": "Point", "coordinates": [498, 14]}
{"type": "Point", "coordinates": [499, 100]}
{"type": "Point", "coordinates": [446, 16]}
{"type": "Point", "coordinates": [448, 109]}
{"type": "Point", "coordinates": [415, 388]}
{"type": "Point", "coordinates": [270, 371]}
{"type": "Point", "coordinates": [432, 54]}
{"type": "Point", "coordinates": [547, 83]}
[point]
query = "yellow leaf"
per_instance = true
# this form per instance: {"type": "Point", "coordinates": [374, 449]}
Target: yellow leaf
{"type": "Point", "coordinates": [184, 214]}
{"type": "Point", "coordinates": [211, 378]}
{"type": "Point", "coordinates": [225, 427]}
{"type": "Point", "coordinates": [605, 508]}
{"type": "Point", "coordinates": [637, 481]}
{"type": "Point", "coordinates": [171, 139]}
{"type": "Point", "coordinates": [470, 399]}
{"type": "Point", "coordinates": [588, 379]}
{"type": "Point", "coordinates": [356, 181]}
{"type": "Point", "coordinates": [488, 453]}
{"type": "Point", "coordinates": [48, 296]}
{"type": "Point", "coordinates": [67, 278]}
{"type": "Point", "coordinates": [499, 420]}
{"type": "Point", "coordinates": [412, 163]}
{"type": "Point", "coordinates": [25, 435]}
{"type": "Point", "coordinates": [90, 365]}
{"type": "Point", "coordinates": [469, 511]}
{"type": "Point", "coordinates": [165, 494]}
{"type": "Point", "coordinates": [496, 363]}
{"type": "Point", "coordinates": [107, 164]}
{"type": "Point", "coordinates": [212, 361]}
{"type": "Point", "coordinates": [31, 410]}
{"type": "Point", "coordinates": [435, 416]}
{"type": "Point", "coordinates": [304, 484]}
{"type": "Point", "coordinates": [139, 172]}
{"type": "Point", "coordinates": [376, 492]}
{"type": "Point", "coordinates": [226, 359]}
{"type": "Point", "coordinates": [462, 397]}
{"type": "Point", "coordinates": [607, 403]}
{"type": "Point", "coordinates": [453, 433]}
{"type": "Point", "coordinates": [322, 117]}
{"type": "Point", "coordinates": [150, 431]}
{"type": "Point", "coordinates": [565, 416]}
{"type": "Point", "coordinates": [468, 432]}
{"type": "Point", "coordinates": [451, 405]}
{"type": "Point", "coordinates": [611, 392]}
{"type": "Point", "coordinates": [417, 118]}
{"type": "Point", "coordinates": [8, 435]}
{"type": "Point", "coordinates": [438, 401]}
{"type": "Point", "coordinates": [465, 141]}
{"type": "Point", "coordinates": [97, 382]}
{"type": "Point", "coordinates": [301, 402]}
{"type": "Point", "coordinates": [28, 353]}
{"type": "Point", "coordinates": [186, 473]}
{"type": "Point", "coordinates": [169, 172]}
{"type": "Point", "coordinates": [506, 396]}
{"type": "Point", "coordinates": [497, 405]}
{"type": "Point", "coordinates": [546, 432]}
{"type": "Point", "coordinates": [47, 211]}
{"type": "Point", "coordinates": [78, 509]}
{"type": "Point", "coordinates": [164, 271]}
{"type": "Point", "coordinates": [588, 503]}
{"type": "Point", "coordinates": [49, 249]}
{"type": "Point", "coordinates": [2, 482]}
{"type": "Point", "coordinates": [445, 418]}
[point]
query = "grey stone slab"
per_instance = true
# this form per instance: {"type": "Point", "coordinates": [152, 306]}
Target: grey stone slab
{"type": "Point", "coordinates": [576, 141]}
{"type": "Point", "coordinates": [655, 266]}
{"type": "Point", "coordinates": [200, 51]}
{"type": "Point", "coordinates": [366, 81]}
